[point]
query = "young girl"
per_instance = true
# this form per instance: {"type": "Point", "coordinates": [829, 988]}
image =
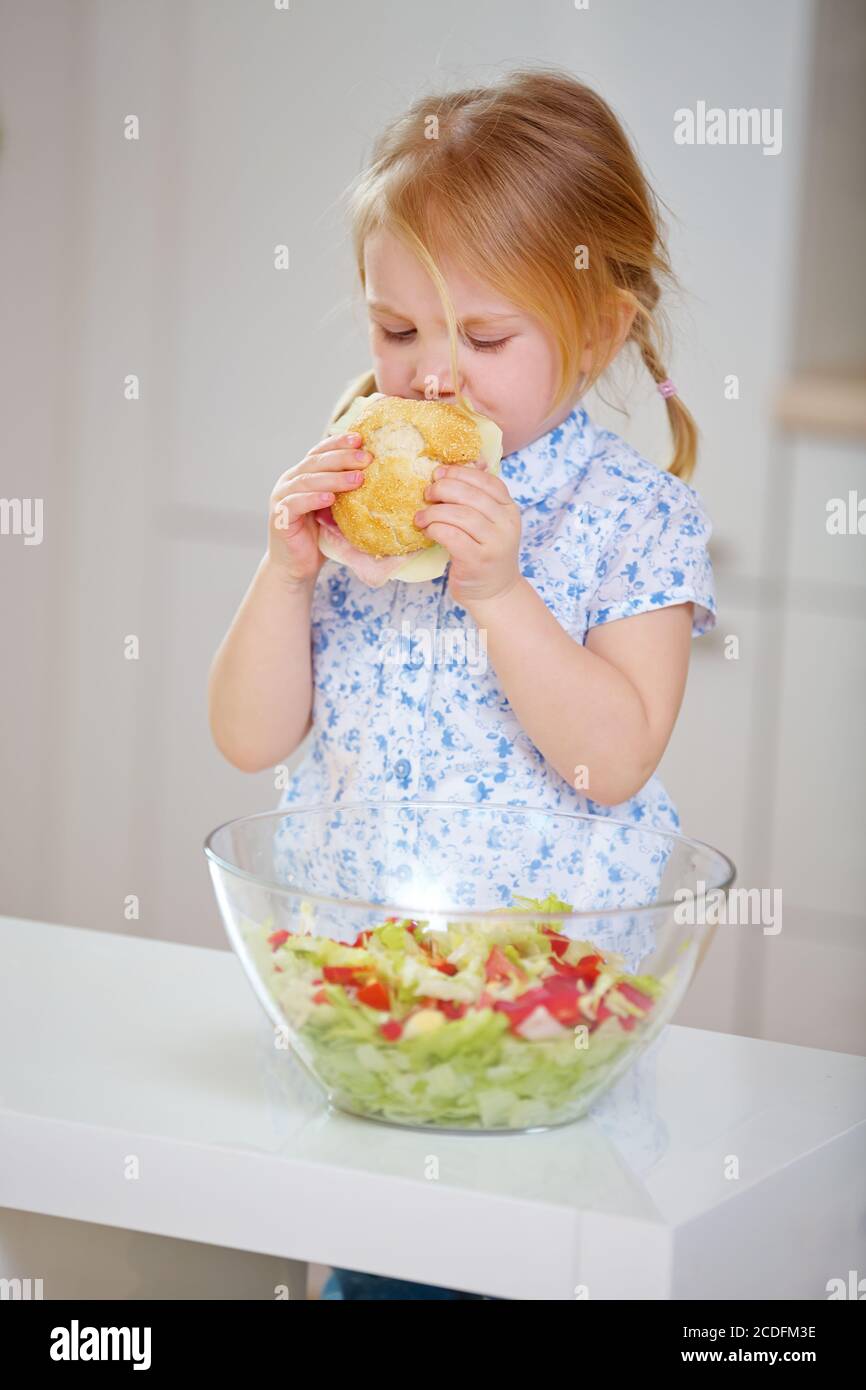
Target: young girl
{"type": "Point", "coordinates": [509, 247]}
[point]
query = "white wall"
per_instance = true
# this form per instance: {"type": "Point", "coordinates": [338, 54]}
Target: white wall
{"type": "Point", "coordinates": [155, 258]}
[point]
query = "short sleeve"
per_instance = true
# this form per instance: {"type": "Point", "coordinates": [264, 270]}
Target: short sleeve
{"type": "Point", "coordinates": [658, 557]}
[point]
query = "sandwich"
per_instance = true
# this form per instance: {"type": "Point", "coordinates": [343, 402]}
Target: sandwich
{"type": "Point", "coordinates": [370, 528]}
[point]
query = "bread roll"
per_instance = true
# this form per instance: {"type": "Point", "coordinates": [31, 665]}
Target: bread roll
{"type": "Point", "coordinates": [407, 439]}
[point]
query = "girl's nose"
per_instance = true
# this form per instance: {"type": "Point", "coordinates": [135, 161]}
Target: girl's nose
{"type": "Point", "coordinates": [439, 384]}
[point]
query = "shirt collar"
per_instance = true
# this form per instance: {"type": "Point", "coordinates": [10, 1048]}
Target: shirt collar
{"type": "Point", "coordinates": [551, 461]}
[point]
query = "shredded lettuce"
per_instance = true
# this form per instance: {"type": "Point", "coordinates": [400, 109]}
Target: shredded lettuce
{"type": "Point", "coordinates": [433, 1068]}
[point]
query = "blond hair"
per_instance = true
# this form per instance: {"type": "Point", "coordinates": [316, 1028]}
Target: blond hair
{"type": "Point", "coordinates": [518, 181]}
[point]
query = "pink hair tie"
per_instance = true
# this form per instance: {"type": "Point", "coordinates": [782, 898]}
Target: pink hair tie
{"type": "Point", "coordinates": [666, 388]}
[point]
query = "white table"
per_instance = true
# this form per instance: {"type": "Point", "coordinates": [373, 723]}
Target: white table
{"type": "Point", "coordinates": [115, 1046]}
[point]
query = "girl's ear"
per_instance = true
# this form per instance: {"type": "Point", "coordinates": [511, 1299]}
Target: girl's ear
{"type": "Point", "coordinates": [616, 322]}
{"type": "Point", "coordinates": [625, 317]}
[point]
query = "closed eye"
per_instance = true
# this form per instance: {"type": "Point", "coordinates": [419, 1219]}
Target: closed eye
{"type": "Point", "coordinates": [479, 344]}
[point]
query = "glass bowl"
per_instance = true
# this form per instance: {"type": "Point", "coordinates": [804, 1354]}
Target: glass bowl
{"type": "Point", "coordinates": [460, 966]}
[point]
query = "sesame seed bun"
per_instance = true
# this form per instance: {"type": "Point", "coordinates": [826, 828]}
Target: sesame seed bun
{"type": "Point", "coordinates": [407, 439]}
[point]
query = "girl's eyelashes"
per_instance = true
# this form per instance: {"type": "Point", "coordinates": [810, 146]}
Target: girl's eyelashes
{"type": "Point", "coordinates": [480, 345]}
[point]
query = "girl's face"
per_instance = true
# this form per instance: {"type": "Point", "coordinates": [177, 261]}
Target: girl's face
{"type": "Point", "coordinates": [506, 359]}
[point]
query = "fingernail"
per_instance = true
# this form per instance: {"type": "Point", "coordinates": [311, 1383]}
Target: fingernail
{"type": "Point", "coordinates": [439, 472]}
{"type": "Point", "coordinates": [354, 438]}
{"type": "Point", "coordinates": [363, 455]}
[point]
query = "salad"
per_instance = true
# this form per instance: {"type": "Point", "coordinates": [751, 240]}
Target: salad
{"type": "Point", "coordinates": [503, 1026]}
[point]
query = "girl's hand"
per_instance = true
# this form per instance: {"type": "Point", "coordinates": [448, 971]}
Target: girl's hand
{"type": "Point", "coordinates": [478, 522]}
{"type": "Point", "coordinates": [334, 465]}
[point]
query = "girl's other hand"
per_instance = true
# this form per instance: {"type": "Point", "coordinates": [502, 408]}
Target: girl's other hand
{"type": "Point", "coordinates": [476, 519]}
{"type": "Point", "coordinates": [333, 465]}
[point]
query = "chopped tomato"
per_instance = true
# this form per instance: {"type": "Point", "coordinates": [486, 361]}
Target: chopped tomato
{"type": "Point", "coordinates": [558, 943]}
{"type": "Point", "coordinates": [362, 938]}
{"type": "Point", "coordinates": [586, 969]}
{"type": "Point", "coordinates": [375, 995]}
{"type": "Point", "coordinates": [343, 974]}
{"type": "Point", "coordinates": [635, 996]}
{"type": "Point", "coordinates": [451, 1009]}
{"type": "Point", "coordinates": [563, 1000]}
{"type": "Point", "coordinates": [277, 939]}
{"type": "Point", "coordinates": [391, 1029]}
{"type": "Point", "coordinates": [557, 995]}
{"type": "Point", "coordinates": [445, 966]}
{"type": "Point", "coordinates": [438, 962]}
{"type": "Point", "coordinates": [516, 1010]}
{"type": "Point", "coordinates": [320, 997]}
{"type": "Point", "coordinates": [499, 967]}
{"type": "Point", "coordinates": [445, 1006]}
{"type": "Point", "coordinates": [590, 968]}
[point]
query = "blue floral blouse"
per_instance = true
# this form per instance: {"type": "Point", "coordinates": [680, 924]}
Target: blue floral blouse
{"type": "Point", "coordinates": [407, 707]}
